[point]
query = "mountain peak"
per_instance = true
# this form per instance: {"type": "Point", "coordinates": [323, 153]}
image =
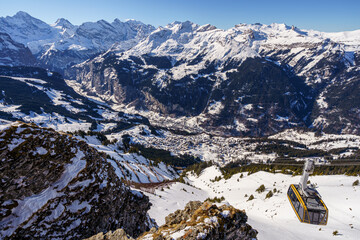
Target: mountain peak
{"type": "Point", "coordinates": [22, 14]}
{"type": "Point", "coordinates": [133, 21]}
{"type": "Point", "coordinates": [186, 26]}
{"type": "Point", "coordinates": [63, 23]}
{"type": "Point", "coordinates": [206, 27]}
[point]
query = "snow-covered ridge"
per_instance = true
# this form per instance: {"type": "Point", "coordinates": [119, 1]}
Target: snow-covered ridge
{"type": "Point", "coordinates": [243, 40]}
{"type": "Point", "coordinates": [190, 39]}
{"type": "Point", "coordinates": [192, 48]}
{"type": "Point", "coordinates": [40, 36]}
{"type": "Point", "coordinates": [48, 41]}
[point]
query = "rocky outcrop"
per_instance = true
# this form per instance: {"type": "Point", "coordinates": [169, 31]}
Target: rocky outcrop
{"type": "Point", "coordinates": [197, 221]}
{"type": "Point", "coordinates": [204, 221]}
{"type": "Point", "coordinates": [55, 186]}
{"type": "Point", "coordinates": [118, 234]}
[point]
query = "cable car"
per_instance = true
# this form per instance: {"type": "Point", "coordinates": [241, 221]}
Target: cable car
{"type": "Point", "coordinates": [306, 202]}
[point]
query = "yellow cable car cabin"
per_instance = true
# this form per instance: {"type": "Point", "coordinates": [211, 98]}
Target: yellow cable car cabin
{"type": "Point", "coordinates": [308, 209]}
{"type": "Point", "coordinates": [306, 201]}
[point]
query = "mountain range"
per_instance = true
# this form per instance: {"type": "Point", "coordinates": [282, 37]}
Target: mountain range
{"type": "Point", "coordinates": [252, 79]}
{"type": "Point", "coordinates": [63, 44]}
{"type": "Point", "coordinates": [89, 112]}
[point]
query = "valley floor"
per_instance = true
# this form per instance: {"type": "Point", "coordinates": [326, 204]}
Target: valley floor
{"type": "Point", "coordinates": [273, 218]}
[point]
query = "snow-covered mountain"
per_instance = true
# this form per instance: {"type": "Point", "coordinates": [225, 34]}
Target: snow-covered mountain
{"type": "Point", "coordinates": [62, 44]}
{"type": "Point", "coordinates": [13, 53]}
{"type": "Point", "coordinates": [141, 104]}
{"type": "Point", "coordinates": [27, 30]}
{"type": "Point", "coordinates": [37, 96]}
{"type": "Point", "coordinates": [252, 79]}
{"type": "Point", "coordinates": [55, 186]}
{"type": "Point", "coordinates": [249, 80]}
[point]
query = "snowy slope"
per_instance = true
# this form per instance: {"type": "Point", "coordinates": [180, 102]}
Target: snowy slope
{"type": "Point", "coordinates": [36, 95]}
{"type": "Point", "coordinates": [274, 218]}
{"type": "Point", "coordinates": [28, 30]}
{"type": "Point", "coordinates": [169, 198]}
{"type": "Point", "coordinates": [132, 167]}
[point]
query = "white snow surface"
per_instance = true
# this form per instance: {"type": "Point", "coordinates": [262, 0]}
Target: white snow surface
{"type": "Point", "coordinates": [41, 150]}
{"type": "Point", "coordinates": [273, 218]}
{"type": "Point", "coordinates": [131, 166]}
{"type": "Point", "coordinates": [172, 198]}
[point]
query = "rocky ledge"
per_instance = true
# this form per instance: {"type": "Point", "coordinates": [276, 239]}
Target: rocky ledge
{"type": "Point", "coordinates": [197, 221]}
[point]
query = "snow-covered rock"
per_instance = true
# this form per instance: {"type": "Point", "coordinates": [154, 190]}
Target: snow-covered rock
{"type": "Point", "coordinates": [55, 186]}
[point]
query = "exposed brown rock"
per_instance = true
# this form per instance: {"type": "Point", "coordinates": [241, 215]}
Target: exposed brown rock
{"type": "Point", "coordinates": [201, 221]}
{"type": "Point", "coordinates": [118, 234]}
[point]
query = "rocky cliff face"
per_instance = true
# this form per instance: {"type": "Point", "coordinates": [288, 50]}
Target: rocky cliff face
{"type": "Point", "coordinates": [197, 221]}
{"type": "Point", "coordinates": [54, 186]}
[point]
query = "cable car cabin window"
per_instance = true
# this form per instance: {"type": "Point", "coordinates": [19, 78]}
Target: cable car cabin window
{"type": "Point", "coordinates": [294, 200]}
{"type": "Point", "coordinates": [296, 205]}
{"type": "Point", "coordinates": [292, 196]}
{"type": "Point", "coordinates": [301, 213]}
{"type": "Point", "coordinates": [306, 219]}
{"type": "Point", "coordinates": [314, 217]}
{"type": "Point", "coordinates": [322, 216]}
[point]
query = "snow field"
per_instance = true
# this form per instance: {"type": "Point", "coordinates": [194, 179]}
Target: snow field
{"type": "Point", "coordinates": [274, 217]}
{"type": "Point", "coordinates": [170, 199]}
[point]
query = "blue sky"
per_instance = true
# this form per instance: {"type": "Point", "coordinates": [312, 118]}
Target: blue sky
{"type": "Point", "coordinates": [329, 15]}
